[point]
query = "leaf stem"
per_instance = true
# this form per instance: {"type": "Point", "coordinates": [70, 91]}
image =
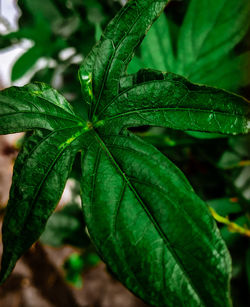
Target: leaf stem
{"type": "Point", "coordinates": [241, 163]}
{"type": "Point", "coordinates": [232, 227]}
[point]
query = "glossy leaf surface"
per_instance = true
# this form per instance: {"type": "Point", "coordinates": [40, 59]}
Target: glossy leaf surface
{"type": "Point", "coordinates": [42, 167]}
{"type": "Point", "coordinates": [143, 216]}
{"type": "Point", "coordinates": [150, 226]}
{"type": "Point", "coordinates": [34, 106]}
{"type": "Point", "coordinates": [172, 101]}
{"type": "Point", "coordinates": [37, 186]}
{"type": "Point", "coordinates": [109, 59]}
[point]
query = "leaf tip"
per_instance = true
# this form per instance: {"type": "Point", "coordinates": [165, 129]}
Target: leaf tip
{"type": "Point", "coordinates": [7, 267]}
{"type": "Point", "coordinates": [4, 274]}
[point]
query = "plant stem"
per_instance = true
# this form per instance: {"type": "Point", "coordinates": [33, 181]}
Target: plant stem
{"type": "Point", "coordinates": [233, 227]}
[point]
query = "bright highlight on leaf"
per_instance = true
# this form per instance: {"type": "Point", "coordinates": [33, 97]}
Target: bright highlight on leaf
{"type": "Point", "coordinates": [149, 226]}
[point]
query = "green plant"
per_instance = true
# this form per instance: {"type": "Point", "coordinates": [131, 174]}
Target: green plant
{"type": "Point", "coordinates": [202, 48]}
{"type": "Point", "coordinates": [143, 216]}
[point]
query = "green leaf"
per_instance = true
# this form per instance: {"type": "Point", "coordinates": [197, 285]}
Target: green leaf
{"type": "Point", "coordinates": [205, 41]}
{"type": "Point", "coordinates": [73, 268]}
{"type": "Point", "coordinates": [209, 31]}
{"type": "Point", "coordinates": [41, 168]}
{"type": "Point", "coordinates": [157, 48]}
{"type": "Point", "coordinates": [34, 106]}
{"type": "Point", "coordinates": [229, 66]}
{"type": "Point", "coordinates": [77, 264]}
{"type": "Point", "coordinates": [26, 62]}
{"type": "Point", "coordinates": [205, 135]}
{"type": "Point", "coordinates": [176, 103]}
{"type": "Point", "coordinates": [109, 59]}
{"type": "Point", "coordinates": [150, 227]}
{"type": "Point", "coordinates": [232, 238]}
{"type": "Point", "coordinates": [146, 221]}
{"type": "Point", "coordinates": [48, 10]}
{"type": "Point", "coordinates": [40, 174]}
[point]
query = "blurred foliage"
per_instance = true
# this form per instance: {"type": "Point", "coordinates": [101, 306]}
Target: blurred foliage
{"type": "Point", "coordinates": [77, 264]}
{"type": "Point", "coordinates": [54, 26]}
{"type": "Point", "coordinates": [202, 46]}
{"type": "Point", "coordinates": [66, 226]}
{"type": "Point", "coordinates": [218, 167]}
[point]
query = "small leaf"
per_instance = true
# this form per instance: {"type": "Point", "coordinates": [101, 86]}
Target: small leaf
{"type": "Point", "coordinates": [232, 238]}
{"type": "Point", "coordinates": [26, 62]}
{"type": "Point", "coordinates": [225, 206]}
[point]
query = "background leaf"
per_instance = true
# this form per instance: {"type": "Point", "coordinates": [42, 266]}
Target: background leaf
{"type": "Point", "coordinates": [26, 62]}
{"type": "Point", "coordinates": [66, 227]}
{"type": "Point", "coordinates": [206, 37]}
{"type": "Point", "coordinates": [157, 50]}
{"type": "Point", "coordinates": [201, 47]}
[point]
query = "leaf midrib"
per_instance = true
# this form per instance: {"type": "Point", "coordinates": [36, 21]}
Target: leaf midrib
{"type": "Point", "coordinates": [156, 82]}
{"type": "Point", "coordinates": [154, 222]}
{"type": "Point", "coordinates": [68, 115]}
{"type": "Point", "coordinates": [159, 188]}
{"type": "Point", "coordinates": [42, 115]}
{"type": "Point", "coordinates": [113, 55]}
{"type": "Point", "coordinates": [38, 188]}
{"type": "Point", "coordinates": [146, 110]}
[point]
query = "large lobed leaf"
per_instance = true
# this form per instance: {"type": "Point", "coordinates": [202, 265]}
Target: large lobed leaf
{"type": "Point", "coordinates": [144, 218]}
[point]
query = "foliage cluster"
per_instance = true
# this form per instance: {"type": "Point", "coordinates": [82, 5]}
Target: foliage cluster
{"type": "Point", "coordinates": [154, 232]}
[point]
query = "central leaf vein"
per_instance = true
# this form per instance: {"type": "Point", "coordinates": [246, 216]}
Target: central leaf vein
{"type": "Point", "coordinates": [150, 216]}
